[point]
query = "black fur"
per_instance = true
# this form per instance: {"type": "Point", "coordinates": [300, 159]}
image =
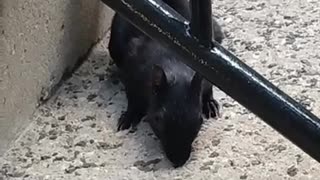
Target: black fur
{"type": "Point", "coordinates": [160, 88]}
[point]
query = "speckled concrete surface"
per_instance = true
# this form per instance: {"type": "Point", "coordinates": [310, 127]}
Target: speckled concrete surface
{"type": "Point", "coordinates": [73, 135]}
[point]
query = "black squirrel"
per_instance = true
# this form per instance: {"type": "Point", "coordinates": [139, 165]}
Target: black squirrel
{"type": "Point", "coordinates": [160, 88]}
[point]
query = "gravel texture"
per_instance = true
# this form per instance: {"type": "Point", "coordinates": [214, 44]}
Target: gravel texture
{"type": "Point", "coordinates": [73, 135]}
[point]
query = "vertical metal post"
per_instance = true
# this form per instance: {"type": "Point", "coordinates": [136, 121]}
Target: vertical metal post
{"type": "Point", "coordinates": [201, 21]}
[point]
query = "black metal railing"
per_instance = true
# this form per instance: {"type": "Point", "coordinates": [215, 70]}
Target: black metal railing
{"type": "Point", "coordinates": [222, 68]}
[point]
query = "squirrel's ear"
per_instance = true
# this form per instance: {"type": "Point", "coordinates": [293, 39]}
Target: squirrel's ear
{"type": "Point", "coordinates": [196, 84]}
{"type": "Point", "coordinates": [159, 79]}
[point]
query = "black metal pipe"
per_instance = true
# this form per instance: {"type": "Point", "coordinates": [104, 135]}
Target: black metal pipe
{"type": "Point", "coordinates": [226, 71]}
{"type": "Point", "coordinates": [201, 21]}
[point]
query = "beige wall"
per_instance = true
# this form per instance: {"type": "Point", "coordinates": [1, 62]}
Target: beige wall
{"type": "Point", "coordinates": [39, 40]}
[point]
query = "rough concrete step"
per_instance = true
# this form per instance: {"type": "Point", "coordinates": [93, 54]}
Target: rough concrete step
{"type": "Point", "coordinates": [73, 135]}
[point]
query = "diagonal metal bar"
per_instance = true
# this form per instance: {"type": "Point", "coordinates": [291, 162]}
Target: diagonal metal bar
{"type": "Point", "coordinates": [226, 71]}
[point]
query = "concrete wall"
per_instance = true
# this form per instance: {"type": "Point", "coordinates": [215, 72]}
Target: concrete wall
{"type": "Point", "coordinates": [39, 41]}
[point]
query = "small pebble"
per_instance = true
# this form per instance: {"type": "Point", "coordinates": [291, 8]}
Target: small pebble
{"type": "Point", "coordinates": [53, 137]}
{"type": "Point", "coordinates": [214, 154]}
{"type": "Point", "coordinates": [81, 144]}
{"type": "Point", "coordinates": [91, 97]}
{"type": "Point", "coordinates": [292, 171]}
{"type": "Point", "coordinates": [216, 142]}
{"type": "Point", "coordinates": [68, 128]}
{"type": "Point", "coordinates": [244, 176]}
{"type": "Point", "coordinates": [62, 118]}
{"type": "Point", "coordinates": [45, 158]}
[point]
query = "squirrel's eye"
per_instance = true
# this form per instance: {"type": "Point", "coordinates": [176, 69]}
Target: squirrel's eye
{"type": "Point", "coordinates": [157, 118]}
